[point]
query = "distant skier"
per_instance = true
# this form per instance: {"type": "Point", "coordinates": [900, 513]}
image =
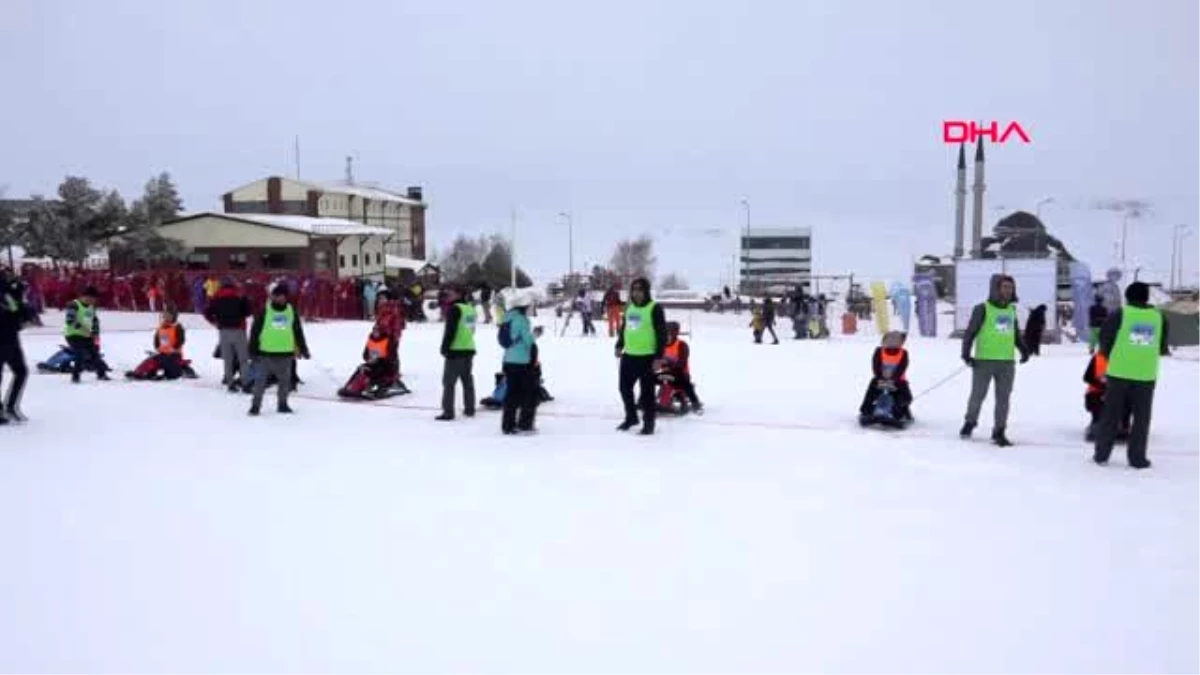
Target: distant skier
{"type": "Point", "coordinates": [583, 304]}
{"type": "Point", "coordinates": [768, 309]}
{"type": "Point", "coordinates": [996, 338]}
{"type": "Point", "coordinates": [640, 343]}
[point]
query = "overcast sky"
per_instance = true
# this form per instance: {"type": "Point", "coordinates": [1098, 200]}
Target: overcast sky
{"type": "Point", "coordinates": [653, 116]}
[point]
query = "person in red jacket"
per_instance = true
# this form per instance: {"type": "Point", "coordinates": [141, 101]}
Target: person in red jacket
{"type": "Point", "coordinates": [889, 367]}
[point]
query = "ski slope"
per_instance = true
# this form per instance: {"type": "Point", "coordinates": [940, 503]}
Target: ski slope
{"type": "Point", "coordinates": [155, 527]}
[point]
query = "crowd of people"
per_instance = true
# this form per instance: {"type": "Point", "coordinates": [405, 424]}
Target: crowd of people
{"type": "Point", "coordinates": [260, 345]}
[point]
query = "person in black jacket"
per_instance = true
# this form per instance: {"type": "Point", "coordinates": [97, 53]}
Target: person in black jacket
{"type": "Point", "coordinates": [768, 310]}
{"type": "Point", "coordinates": [638, 368]}
{"type": "Point", "coordinates": [1035, 325]}
{"type": "Point", "coordinates": [460, 357]}
{"type": "Point", "coordinates": [228, 311]}
{"type": "Point", "coordinates": [276, 352]}
{"type": "Point", "coordinates": [14, 314]}
{"type": "Point", "coordinates": [1124, 396]}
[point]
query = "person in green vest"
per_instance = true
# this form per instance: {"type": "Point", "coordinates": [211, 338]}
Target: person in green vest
{"type": "Point", "coordinates": [996, 338]}
{"type": "Point", "coordinates": [1133, 339]}
{"type": "Point", "coordinates": [640, 343]}
{"type": "Point", "coordinates": [458, 350]}
{"type": "Point", "coordinates": [276, 339]}
{"type": "Point", "coordinates": [81, 327]}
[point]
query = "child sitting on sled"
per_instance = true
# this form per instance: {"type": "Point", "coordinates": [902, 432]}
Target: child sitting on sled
{"type": "Point", "coordinates": [166, 362]}
{"type": "Point", "coordinates": [379, 375]}
{"type": "Point", "coordinates": [676, 365]}
{"type": "Point", "coordinates": [889, 365]}
{"type": "Point", "coordinates": [1093, 397]}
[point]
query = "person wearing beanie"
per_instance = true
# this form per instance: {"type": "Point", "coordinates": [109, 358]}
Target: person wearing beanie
{"type": "Point", "coordinates": [15, 313]}
{"type": "Point", "coordinates": [1132, 339]}
{"type": "Point", "coordinates": [276, 338]}
{"type": "Point", "coordinates": [640, 343]}
{"type": "Point", "coordinates": [81, 329]}
{"type": "Point", "coordinates": [228, 312]}
{"type": "Point", "coordinates": [996, 338]}
{"type": "Point", "coordinates": [458, 352]}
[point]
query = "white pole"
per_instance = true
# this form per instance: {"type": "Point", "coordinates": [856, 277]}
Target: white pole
{"type": "Point", "coordinates": [512, 251]}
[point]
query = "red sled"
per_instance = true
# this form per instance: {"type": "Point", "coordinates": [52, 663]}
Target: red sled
{"type": "Point", "coordinates": [159, 367]}
{"type": "Point", "coordinates": [360, 386]}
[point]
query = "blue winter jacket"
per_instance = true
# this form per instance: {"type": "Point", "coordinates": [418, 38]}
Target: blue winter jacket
{"type": "Point", "coordinates": [522, 338]}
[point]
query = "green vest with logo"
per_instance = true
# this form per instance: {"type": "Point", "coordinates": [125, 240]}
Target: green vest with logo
{"type": "Point", "coordinates": [464, 334]}
{"type": "Point", "coordinates": [85, 317]}
{"type": "Point", "coordinates": [640, 338]}
{"type": "Point", "coordinates": [1135, 352]}
{"type": "Point", "coordinates": [278, 334]}
{"type": "Point", "coordinates": [997, 339]}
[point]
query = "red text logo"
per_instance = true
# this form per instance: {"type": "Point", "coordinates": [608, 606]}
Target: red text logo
{"type": "Point", "coordinates": [960, 131]}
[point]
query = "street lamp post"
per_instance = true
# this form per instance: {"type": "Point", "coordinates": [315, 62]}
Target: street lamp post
{"type": "Point", "coordinates": [745, 244]}
{"type": "Point", "coordinates": [1037, 212]}
{"type": "Point", "coordinates": [1178, 234]}
{"type": "Point", "coordinates": [570, 244]}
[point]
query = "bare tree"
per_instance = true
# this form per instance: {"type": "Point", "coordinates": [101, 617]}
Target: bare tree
{"type": "Point", "coordinates": [634, 258]}
{"type": "Point", "coordinates": [673, 282]}
{"type": "Point", "coordinates": [484, 259]}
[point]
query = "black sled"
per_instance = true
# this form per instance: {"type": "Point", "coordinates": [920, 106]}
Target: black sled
{"type": "Point", "coordinates": [887, 413]}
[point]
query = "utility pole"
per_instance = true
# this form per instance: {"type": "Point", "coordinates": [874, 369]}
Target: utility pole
{"type": "Point", "coordinates": [1178, 233]}
{"type": "Point", "coordinates": [512, 250]}
{"type": "Point", "coordinates": [570, 244]}
{"type": "Point", "coordinates": [1037, 212]}
{"type": "Point", "coordinates": [745, 246]}
{"type": "Point", "coordinates": [297, 156]}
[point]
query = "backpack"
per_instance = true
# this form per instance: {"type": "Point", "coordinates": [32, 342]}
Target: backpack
{"type": "Point", "coordinates": [504, 336]}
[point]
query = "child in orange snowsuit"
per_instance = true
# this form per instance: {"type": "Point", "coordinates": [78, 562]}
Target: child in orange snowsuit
{"type": "Point", "coordinates": [167, 362]}
{"type": "Point", "coordinates": [889, 367]}
{"type": "Point", "coordinates": [1093, 396]}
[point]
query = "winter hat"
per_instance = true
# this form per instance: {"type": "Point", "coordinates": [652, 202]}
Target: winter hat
{"type": "Point", "coordinates": [280, 289]}
{"type": "Point", "coordinates": [641, 282]}
{"type": "Point", "coordinates": [1137, 293]}
{"type": "Point", "coordinates": [520, 298]}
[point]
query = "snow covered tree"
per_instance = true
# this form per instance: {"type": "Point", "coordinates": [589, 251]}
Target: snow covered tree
{"type": "Point", "coordinates": [141, 241]}
{"type": "Point", "coordinates": [634, 258]}
{"type": "Point", "coordinates": [9, 236]}
{"type": "Point", "coordinates": [673, 282]}
{"type": "Point", "coordinates": [485, 259]}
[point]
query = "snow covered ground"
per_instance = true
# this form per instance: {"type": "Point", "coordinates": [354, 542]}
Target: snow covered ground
{"type": "Point", "coordinates": [156, 527]}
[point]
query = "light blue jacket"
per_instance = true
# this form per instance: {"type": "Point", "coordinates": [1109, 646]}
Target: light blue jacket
{"type": "Point", "coordinates": [522, 338]}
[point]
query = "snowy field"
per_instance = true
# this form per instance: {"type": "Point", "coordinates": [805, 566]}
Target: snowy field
{"type": "Point", "coordinates": [155, 527]}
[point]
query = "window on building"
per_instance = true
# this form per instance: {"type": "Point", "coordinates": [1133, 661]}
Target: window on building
{"type": "Point", "coordinates": [279, 261]}
{"type": "Point", "coordinates": [197, 261]}
{"type": "Point", "coordinates": [354, 260]}
{"type": "Point", "coordinates": [378, 258]}
{"type": "Point", "coordinates": [293, 207]}
{"type": "Point", "coordinates": [321, 261]}
{"type": "Point", "coordinates": [238, 261]}
{"type": "Point", "coordinates": [248, 207]}
{"type": "Point", "coordinates": [341, 262]}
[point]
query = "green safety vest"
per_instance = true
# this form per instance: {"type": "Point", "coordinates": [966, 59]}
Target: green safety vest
{"type": "Point", "coordinates": [997, 339]}
{"type": "Point", "coordinates": [640, 339]}
{"type": "Point", "coordinates": [464, 334]}
{"type": "Point", "coordinates": [278, 334]}
{"type": "Point", "coordinates": [1135, 352]}
{"type": "Point", "coordinates": [85, 316]}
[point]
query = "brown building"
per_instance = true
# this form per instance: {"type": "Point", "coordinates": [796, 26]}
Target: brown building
{"type": "Point", "coordinates": [403, 214]}
{"type": "Point", "coordinates": [262, 242]}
